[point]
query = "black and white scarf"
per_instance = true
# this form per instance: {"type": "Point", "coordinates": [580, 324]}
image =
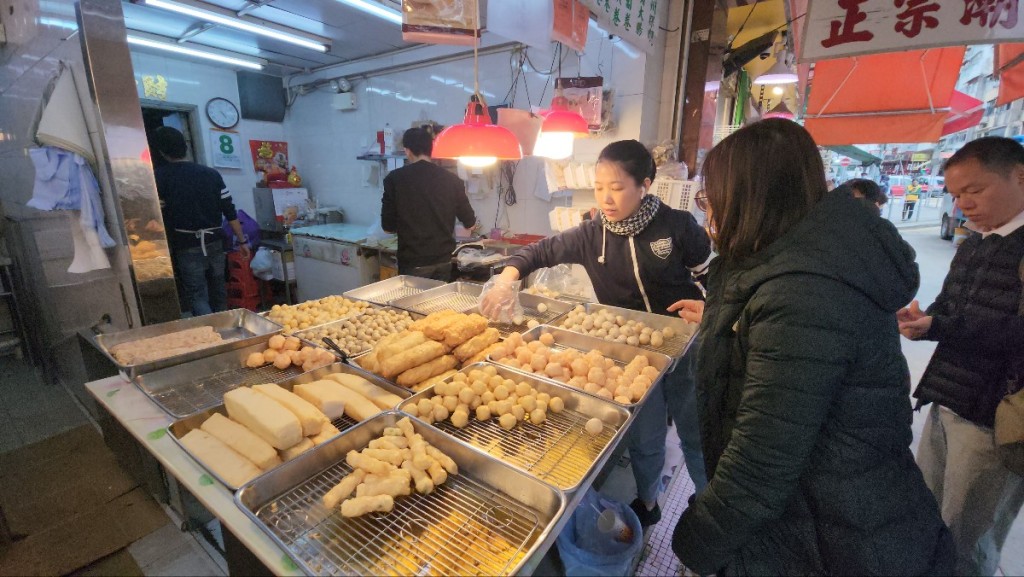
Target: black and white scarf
{"type": "Point", "coordinates": [633, 225]}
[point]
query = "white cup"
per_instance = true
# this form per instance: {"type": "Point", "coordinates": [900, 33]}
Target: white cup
{"type": "Point", "coordinates": [610, 522]}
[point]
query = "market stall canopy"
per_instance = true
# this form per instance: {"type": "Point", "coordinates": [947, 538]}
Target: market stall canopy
{"type": "Point", "coordinates": [864, 157]}
{"type": "Point", "coordinates": [1010, 66]}
{"type": "Point", "coordinates": [896, 97]}
{"type": "Point", "coordinates": [965, 112]}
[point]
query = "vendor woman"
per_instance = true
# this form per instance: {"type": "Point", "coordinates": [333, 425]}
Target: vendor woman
{"type": "Point", "coordinates": [641, 255]}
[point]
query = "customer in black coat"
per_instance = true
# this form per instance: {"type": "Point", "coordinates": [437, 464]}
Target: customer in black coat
{"type": "Point", "coordinates": [803, 392]}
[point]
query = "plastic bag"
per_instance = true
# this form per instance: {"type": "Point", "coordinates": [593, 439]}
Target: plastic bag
{"type": "Point", "coordinates": [585, 550]}
{"type": "Point", "coordinates": [668, 165]}
{"type": "Point", "coordinates": [250, 228]}
{"type": "Point", "coordinates": [555, 281]}
{"type": "Point", "coordinates": [499, 301]}
{"type": "Point", "coordinates": [262, 264]}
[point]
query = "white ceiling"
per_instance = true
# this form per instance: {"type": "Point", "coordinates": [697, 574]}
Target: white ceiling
{"type": "Point", "coordinates": [352, 33]}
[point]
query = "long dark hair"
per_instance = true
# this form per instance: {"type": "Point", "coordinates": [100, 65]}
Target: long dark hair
{"type": "Point", "coordinates": [760, 181]}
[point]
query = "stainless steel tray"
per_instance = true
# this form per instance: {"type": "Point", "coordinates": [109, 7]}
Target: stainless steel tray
{"type": "Point", "coordinates": [620, 353]}
{"type": "Point", "coordinates": [306, 334]}
{"type": "Point", "coordinates": [558, 451]}
{"type": "Point", "coordinates": [674, 347]}
{"type": "Point", "coordinates": [486, 520]}
{"type": "Point", "coordinates": [462, 297]}
{"type": "Point", "coordinates": [396, 287]}
{"type": "Point", "coordinates": [181, 427]}
{"type": "Point", "coordinates": [239, 328]}
{"type": "Point", "coordinates": [200, 384]}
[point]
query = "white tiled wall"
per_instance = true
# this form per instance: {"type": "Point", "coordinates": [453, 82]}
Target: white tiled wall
{"type": "Point", "coordinates": [191, 82]}
{"type": "Point", "coordinates": [327, 140]}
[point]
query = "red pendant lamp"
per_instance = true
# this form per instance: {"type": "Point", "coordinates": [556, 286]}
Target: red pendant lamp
{"type": "Point", "coordinates": [476, 142]}
{"type": "Point", "coordinates": [561, 126]}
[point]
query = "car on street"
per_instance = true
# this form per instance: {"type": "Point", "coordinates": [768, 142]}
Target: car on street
{"type": "Point", "coordinates": [932, 186]}
{"type": "Point", "coordinates": [952, 217]}
{"type": "Point", "coordinates": [898, 184]}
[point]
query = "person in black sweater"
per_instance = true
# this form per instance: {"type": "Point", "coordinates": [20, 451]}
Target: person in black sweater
{"type": "Point", "coordinates": [976, 321]}
{"type": "Point", "coordinates": [194, 199]}
{"type": "Point", "coordinates": [420, 204]}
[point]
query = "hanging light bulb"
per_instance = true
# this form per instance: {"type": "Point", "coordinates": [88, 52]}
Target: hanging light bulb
{"type": "Point", "coordinates": [561, 126]}
{"type": "Point", "coordinates": [476, 142]}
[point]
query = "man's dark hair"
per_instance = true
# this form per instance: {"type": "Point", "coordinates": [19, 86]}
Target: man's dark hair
{"type": "Point", "coordinates": [418, 141]}
{"type": "Point", "coordinates": [995, 153]}
{"type": "Point", "coordinates": [171, 142]}
{"type": "Point", "coordinates": [868, 189]}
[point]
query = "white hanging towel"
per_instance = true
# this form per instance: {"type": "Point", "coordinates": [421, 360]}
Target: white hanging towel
{"type": "Point", "coordinates": [63, 121]}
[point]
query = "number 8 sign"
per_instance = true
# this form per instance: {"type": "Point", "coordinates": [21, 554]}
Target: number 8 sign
{"type": "Point", "coordinates": [225, 147]}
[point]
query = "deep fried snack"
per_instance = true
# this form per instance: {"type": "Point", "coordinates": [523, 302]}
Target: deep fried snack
{"type": "Point", "coordinates": [405, 341]}
{"type": "Point", "coordinates": [473, 346]}
{"type": "Point", "coordinates": [437, 329]}
{"type": "Point", "coordinates": [482, 355]}
{"type": "Point", "coordinates": [343, 489]}
{"type": "Point", "coordinates": [430, 319]}
{"type": "Point", "coordinates": [422, 372]}
{"type": "Point", "coordinates": [464, 329]}
{"type": "Point", "coordinates": [358, 506]}
{"type": "Point", "coordinates": [434, 380]}
{"type": "Point", "coordinates": [414, 357]}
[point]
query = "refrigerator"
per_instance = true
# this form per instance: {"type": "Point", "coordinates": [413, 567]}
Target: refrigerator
{"type": "Point", "coordinates": [330, 260]}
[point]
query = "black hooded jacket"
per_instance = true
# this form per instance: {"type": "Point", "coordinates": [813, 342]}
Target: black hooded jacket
{"type": "Point", "coordinates": [804, 400]}
{"type": "Point", "coordinates": [646, 272]}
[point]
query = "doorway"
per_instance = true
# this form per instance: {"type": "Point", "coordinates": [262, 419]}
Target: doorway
{"type": "Point", "coordinates": [156, 114]}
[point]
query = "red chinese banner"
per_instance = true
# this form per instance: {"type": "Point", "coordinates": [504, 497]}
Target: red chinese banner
{"type": "Point", "coordinates": [1009, 65]}
{"type": "Point", "coordinates": [840, 28]}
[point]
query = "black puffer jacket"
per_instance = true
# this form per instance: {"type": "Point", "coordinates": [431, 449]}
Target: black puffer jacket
{"type": "Point", "coordinates": [805, 411]}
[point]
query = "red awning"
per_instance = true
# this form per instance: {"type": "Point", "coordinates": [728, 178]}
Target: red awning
{"type": "Point", "coordinates": [895, 97]}
{"type": "Point", "coordinates": [965, 111]}
{"type": "Point", "coordinates": [1010, 66]}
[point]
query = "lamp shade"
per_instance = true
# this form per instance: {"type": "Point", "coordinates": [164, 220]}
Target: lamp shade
{"type": "Point", "coordinates": [561, 119]}
{"type": "Point", "coordinates": [476, 142]}
{"type": "Point", "coordinates": [780, 110]}
{"type": "Point", "coordinates": [779, 73]}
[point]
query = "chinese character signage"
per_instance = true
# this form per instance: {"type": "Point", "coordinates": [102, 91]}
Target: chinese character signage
{"type": "Point", "coordinates": [840, 28]}
{"type": "Point", "coordinates": [635, 21]}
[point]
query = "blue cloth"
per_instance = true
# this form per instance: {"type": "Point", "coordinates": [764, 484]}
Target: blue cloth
{"type": "Point", "coordinates": [64, 181]}
{"type": "Point", "coordinates": [203, 277]}
{"type": "Point", "coordinates": [675, 394]}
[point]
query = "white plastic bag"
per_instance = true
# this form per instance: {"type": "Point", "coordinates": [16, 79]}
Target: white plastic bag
{"type": "Point", "coordinates": [375, 234]}
{"type": "Point", "coordinates": [262, 264]}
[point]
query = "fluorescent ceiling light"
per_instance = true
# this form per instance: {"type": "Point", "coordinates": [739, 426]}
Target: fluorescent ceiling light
{"type": "Point", "coordinates": [178, 49]}
{"type": "Point", "coordinates": [378, 10]}
{"type": "Point", "coordinates": [238, 24]}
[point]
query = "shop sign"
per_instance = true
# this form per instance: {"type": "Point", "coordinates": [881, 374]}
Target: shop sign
{"type": "Point", "coordinates": [635, 21]}
{"type": "Point", "coordinates": [921, 157]}
{"type": "Point", "coordinates": [227, 149]}
{"type": "Point", "coordinates": [840, 28]}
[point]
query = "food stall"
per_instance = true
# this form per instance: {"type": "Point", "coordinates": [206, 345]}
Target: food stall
{"type": "Point", "coordinates": [498, 428]}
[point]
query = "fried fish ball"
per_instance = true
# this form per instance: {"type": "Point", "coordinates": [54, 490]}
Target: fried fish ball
{"type": "Point", "coordinates": [483, 413]}
{"type": "Point", "coordinates": [604, 393]}
{"type": "Point", "coordinates": [425, 407]}
{"type": "Point", "coordinates": [412, 408]}
{"type": "Point", "coordinates": [487, 398]}
{"type": "Point", "coordinates": [623, 399]}
{"type": "Point", "coordinates": [276, 342]}
{"type": "Point", "coordinates": [440, 413]}
{"type": "Point", "coordinates": [282, 361]}
{"type": "Point", "coordinates": [522, 388]}
{"type": "Point", "coordinates": [594, 426]}
{"type": "Point", "coordinates": [657, 339]}
{"type": "Point", "coordinates": [490, 370]}
{"type": "Point", "coordinates": [292, 344]}
{"type": "Point", "coordinates": [255, 360]}
{"type": "Point", "coordinates": [460, 419]}
{"type": "Point", "coordinates": [269, 355]}
{"type": "Point", "coordinates": [668, 332]}
{"type": "Point", "coordinates": [528, 402]}
{"type": "Point", "coordinates": [501, 392]}
{"type": "Point", "coordinates": [466, 395]}
{"type": "Point", "coordinates": [553, 370]}
{"type": "Point", "coordinates": [538, 416]}
{"type": "Point", "coordinates": [547, 339]}
{"type": "Point", "coordinates": [507, 421]}
{"type": "Point", "coordinates": [556, 404]}
{"type": "Point", "coordinates": [543, 397]}
{"type": "Point", "coordinates": [478, 387]}
{"type": "Point", "coordinates": [518, 412]}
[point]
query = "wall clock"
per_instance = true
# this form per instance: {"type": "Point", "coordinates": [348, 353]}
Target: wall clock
{"type": "Point", "coordinates": [222, 113]}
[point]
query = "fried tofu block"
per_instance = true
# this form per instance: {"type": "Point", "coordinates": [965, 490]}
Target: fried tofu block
{"type": "Point", "coordinates": [235, 469]}
{"type": "Point", "coordinates": [309, 416]}
{"type": "Point", "coordinates": [242, 440]}
{"type": "Point", "coordinates": [263, 416]}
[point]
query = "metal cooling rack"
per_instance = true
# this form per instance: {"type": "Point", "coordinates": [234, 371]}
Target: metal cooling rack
{"type": "Point", "coordinates": [385, 291]}
{"type": "Point", "coordinates": [204, 392]}
{"type": "Point", "coordinates": [558, 451]}
{"type": "Point", "coordinates": [673, 347]}
{"type": "Point", "coordinates": [461, 528]}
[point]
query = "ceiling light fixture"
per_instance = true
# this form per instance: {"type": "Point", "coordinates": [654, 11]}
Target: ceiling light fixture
{"type": "Point", "coordinates": [205, 54]}
{"type": "Point", "coordinates": [779, 73]}
{"type": "Point", "coordinates": [238, 24]}
{"type": "Point", "coordinates": [780, 111]}
{"type": "Point", "coordinates": [561, 126]}
{"type": "Point", "coordinates": [378, 10]}
{"type": "Point", "coordinates": [476, 142]}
